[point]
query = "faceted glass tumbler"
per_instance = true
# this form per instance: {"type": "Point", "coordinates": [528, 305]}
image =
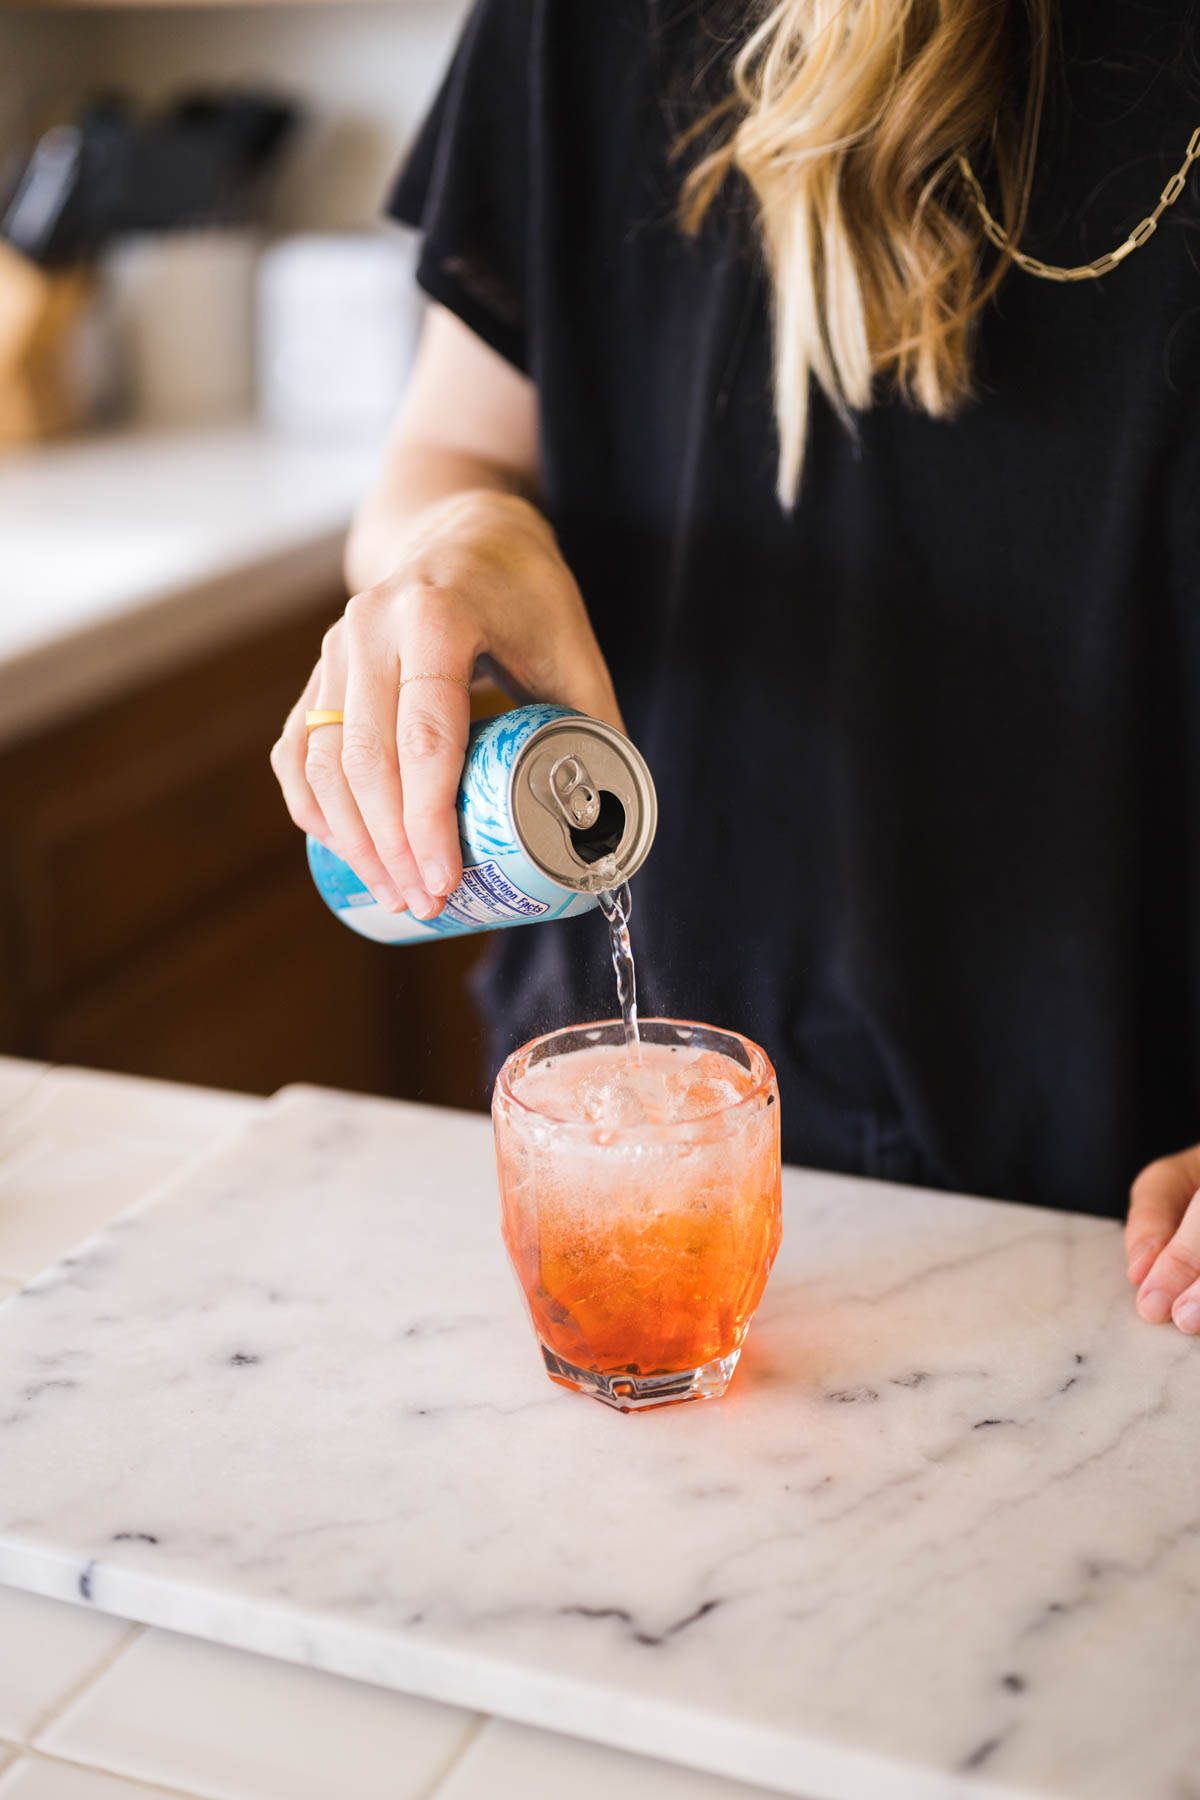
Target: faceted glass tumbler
{"type": "Point", "coordinates": [642, 1250]}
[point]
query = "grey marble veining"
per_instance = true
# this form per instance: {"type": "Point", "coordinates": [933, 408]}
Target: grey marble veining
{"type": "Point", "coordinates": [942, 1537]}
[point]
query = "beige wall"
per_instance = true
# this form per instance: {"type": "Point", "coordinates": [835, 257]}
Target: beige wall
{"type": "Point", "coordinates": [43, 63]}
{"type": "Point", "coordinates": [365, 73]}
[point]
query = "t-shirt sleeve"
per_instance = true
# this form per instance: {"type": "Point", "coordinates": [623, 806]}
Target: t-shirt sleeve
{"type": "Point", "coordinates": [465, 184]}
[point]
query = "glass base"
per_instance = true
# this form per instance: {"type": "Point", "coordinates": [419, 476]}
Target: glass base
{"type": "Point", "coordinates": [634, 1393]}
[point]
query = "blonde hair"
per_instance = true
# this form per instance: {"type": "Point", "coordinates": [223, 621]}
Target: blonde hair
{"type": "Point", "coordinates": [846, 119]}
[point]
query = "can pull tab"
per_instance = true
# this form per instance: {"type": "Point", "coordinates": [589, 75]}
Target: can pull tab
{"type": "Point", "coordinates": [574, 793]}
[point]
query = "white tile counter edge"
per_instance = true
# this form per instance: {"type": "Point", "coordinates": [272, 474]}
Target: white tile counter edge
{"type": "Point", "coordinates": [555, 1703]}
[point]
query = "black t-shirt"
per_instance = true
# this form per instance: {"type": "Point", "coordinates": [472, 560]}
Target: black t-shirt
{"type": "Point", "coordinates": [927, 750]}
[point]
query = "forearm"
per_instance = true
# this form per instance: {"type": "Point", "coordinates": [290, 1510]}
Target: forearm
{"type": "Point", "coordinates": [416, 476]}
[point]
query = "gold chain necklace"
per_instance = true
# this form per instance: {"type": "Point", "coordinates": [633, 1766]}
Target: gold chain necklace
{"type": "Point", "coordinates": [1101, 264]}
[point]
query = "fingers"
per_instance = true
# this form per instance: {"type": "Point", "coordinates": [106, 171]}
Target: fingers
{"type": "Point", "coordinates": [1186, 1310]}
{"type": "Point", "coordinates": [590, 690]}
{"type": "Point", "coordinates": [287, 760]}
{"type": "Point", "coordinates": [1158, 1200]}
{"type": "Point", "coordinates": [572, 671]}
{"type": "Point", "coordinates": [1162, 1237]}
{"type": "Point", "coordinates": [576, 677]}
{"type": "Point", "coordinates": [325, 776]}
{"type": "Point", "coordinates": [1171, 1286]}
{"type": "Point", "coordinates": [369, 757]}
{"type": "Point", "coordinates": [382, 788]}
{"type": "Point", "coordinates": [432, 720]}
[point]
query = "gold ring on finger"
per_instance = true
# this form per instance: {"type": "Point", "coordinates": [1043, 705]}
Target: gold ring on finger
{"type": "Point", "coordinates": [320, 716]}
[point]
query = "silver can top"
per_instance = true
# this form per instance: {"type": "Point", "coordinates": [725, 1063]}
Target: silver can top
{"type": "Point", "coordinates": [582, 804]}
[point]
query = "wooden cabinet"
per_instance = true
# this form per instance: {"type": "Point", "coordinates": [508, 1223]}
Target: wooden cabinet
{"type": "Point", "coordinates": [156, 913]}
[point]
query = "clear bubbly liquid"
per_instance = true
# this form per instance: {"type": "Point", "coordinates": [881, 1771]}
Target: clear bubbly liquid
{"type": "Point", "coordinates": [641, 1212]}
{"type": "Point", "coordinates": [668, 1084]}
{"type": "Point", "coordinates": [616, 904]}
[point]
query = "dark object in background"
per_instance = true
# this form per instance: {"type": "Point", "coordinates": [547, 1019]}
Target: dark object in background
{"type": "Point", "coordinates": [38, 217]}
{"type": "Point", "coordinates": [203, 162]}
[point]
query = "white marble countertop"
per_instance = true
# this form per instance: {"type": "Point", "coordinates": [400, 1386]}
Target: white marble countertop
{"type": "Point", "coordinates": [95, 1708]}
{"type": "Point", "coordinates": [941, 1539]}
{"type": "Point", "coordinates": [122, 555]}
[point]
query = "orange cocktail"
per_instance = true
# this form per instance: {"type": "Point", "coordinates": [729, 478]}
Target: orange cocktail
{"type": "Point", "coordinates": [640, 1203]}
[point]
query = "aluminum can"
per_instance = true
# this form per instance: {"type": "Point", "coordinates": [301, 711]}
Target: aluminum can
{"type": "Point", "coordinates": [553, 808]}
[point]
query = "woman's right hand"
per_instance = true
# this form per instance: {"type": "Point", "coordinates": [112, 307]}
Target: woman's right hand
{"type": "Point", "coordinates": [480, 577]}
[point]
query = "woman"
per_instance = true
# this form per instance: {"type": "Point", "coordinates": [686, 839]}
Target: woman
{"type": "Point", "coordinates": [888, 540]}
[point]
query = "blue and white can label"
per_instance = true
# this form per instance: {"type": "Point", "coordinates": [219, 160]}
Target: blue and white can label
{"type": "Point", "coordinates": [553, 807]}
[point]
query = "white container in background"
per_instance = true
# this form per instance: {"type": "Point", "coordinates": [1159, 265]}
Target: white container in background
{"type": "Point", "coordinates": [338, 317]}
{"type": "Point", "coordinates": [182, 311]}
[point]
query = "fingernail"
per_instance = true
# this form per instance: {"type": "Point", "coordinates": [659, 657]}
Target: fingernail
{"type": "Point", "coordinates": [1155, 1307]}
{"type": "Point", "coordinates": [388, 897]}
{"type": "Point", "coordinates": [1187, 1315]}
{"type": "Point", "coordinates": [419, 903]}
{"type": "Point", "coordinates": [437, 878]}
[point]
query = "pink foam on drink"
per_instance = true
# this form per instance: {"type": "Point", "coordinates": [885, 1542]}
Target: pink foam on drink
{"type": "Point", "coordinates": [611, 1087]}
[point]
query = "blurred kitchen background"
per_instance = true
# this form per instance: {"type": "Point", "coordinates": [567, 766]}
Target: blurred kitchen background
{"type": "Point", "coordinates": [204, 327]}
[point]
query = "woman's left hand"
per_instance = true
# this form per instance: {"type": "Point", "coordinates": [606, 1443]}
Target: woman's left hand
{"type": "Point", "coordinates": [1162, 1240]}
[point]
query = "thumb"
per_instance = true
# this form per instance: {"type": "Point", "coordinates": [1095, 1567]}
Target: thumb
{"type": "Point", "coordinates": [577, 678]}
{"type": "Point", "coordinates": [590, 690]}
{"type": "Point", "coordinates": [1158, 1200]}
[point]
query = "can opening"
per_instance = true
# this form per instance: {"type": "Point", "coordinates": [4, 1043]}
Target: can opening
{"type": "Point", "coordinates": [602, 837]}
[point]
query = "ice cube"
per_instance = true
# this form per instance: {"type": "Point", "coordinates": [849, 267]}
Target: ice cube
{"type": "Point", "coordinates": [616, 1089]}
{"type": "Point", "coordinates": [707, 1084]}
{"type": "Point", "coordinates": [607, 1100]}
{"type": "Point", "coordinates": [705, 1096]}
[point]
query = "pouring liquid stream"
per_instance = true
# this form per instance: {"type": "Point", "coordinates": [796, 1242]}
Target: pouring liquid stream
{"type": "Point", "coordinates": [616, 904]}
